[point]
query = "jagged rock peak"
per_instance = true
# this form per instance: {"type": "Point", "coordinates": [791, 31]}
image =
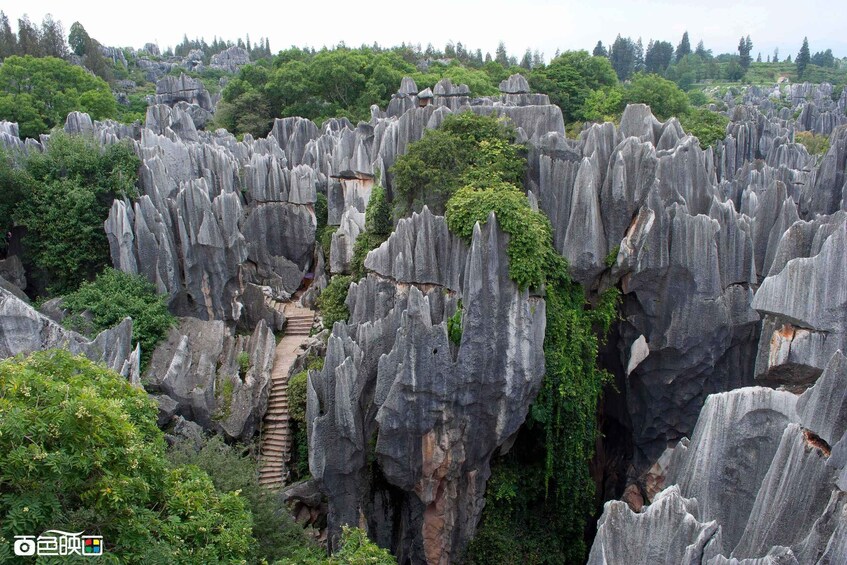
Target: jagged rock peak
{"type": "Point", "coordinates": [515, 84]}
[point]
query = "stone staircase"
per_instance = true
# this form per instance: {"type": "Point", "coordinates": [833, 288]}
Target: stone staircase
{"type": "Point", "coordinates": [276, 438]}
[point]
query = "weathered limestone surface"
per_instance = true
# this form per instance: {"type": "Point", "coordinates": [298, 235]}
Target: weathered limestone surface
{"type": "Point", "coordinates": [436, 410]}
{"type": "Point", "coordinates": [761, 467]}
{"type": "Point", "coordinates": [197, 373]}
{"type": "Point", "coordinates": [24, 330]}
{"type": "Point", "coordinates": [730, 261]}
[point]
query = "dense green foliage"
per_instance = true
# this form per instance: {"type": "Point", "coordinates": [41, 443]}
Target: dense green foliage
{"type": "Point", "coordinates": [378, 226]}
{"type": "Point", "coordinates": [356, 549]}
{"type": "Point", "coordinates": [113, 296]}
{"type": "Point", "coordinates": [571, 78]}
{"type": "Point", "coordinates": [344, 82]}
{"type": "Point", "coordinates": [62, 197]}
{"type": "Point", "coordinates": [803, 58]}
{"type": "Point", "coordinates": [466, 149]}
{"type": "Point", "coordinates": [663, 96]}
{"type": "Point", "coordinates": [297, 385]}
{"type": "Point", "coordinates": [39, 92]}
{"type": "Point", "coordinates": [816, 145]}
{"type": "Point", "coordinates": [233, 469]}
{"type": "Point", "coordinates": [331, 301]}
{"type": "Point", "coordinates": [707, 126]}
{"type": "Point", "coordinates": [454, 326]}
{"type": "Point", "coordinates": [563, 416]}
{"type": "Point", "coordinates": [81, 451]}
{"type": "Point", "coordinates": [530, 241]}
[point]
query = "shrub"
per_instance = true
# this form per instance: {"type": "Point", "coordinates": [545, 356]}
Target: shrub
{"type": "Point", "coordinates": [65, 198]}
{"type": "Point", "coordinates": [436, 166]}
{"type": "Point", "coordinates": [331, 301]}
{"type": "Point", "coordinates": [325, 238]}
{"type": "Point", "coordinates": [81, 451]}
{"type": "Point", "coordinates": [321, 212]}
{"type": "Point", "coordinates": [297, 385]}
{"type": "Point", "coordinates": [356, 549]}
{"type": "Point", "coordinates": [697, 98]}
{"type": "Point", "coordinates": [233, 469]}
{"type": "Point", "coordinates": [707, 126]}
{"type": "Point", "coordinates": [530, 239]}
{"type": "Point", "coordinates": [603, 105]}
{"type": "Point", "coordinates": [243, 363]}
{"type": "Point", "coordinates": [816, 145]}
{"type": "Point", "coordinates": [297, 396]}
{"type": "Point", "coordinates": [663, 96]}
{"type": "Point", "coordinates": [454, 326]}
{"type": "Point", "coordinates": [378, 226]}
{"type": "Point", "coordinates": [113, 296]}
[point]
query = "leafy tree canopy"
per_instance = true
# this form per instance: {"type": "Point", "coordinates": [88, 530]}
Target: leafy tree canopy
{"type": "Point", "coordinates": [113, 296]}
{"type": "Point", "coordinates": [434, 168]}
{"type": "Point", "coordinates": [39, 92]}
{"type": "Point", "coordinates": [570, 78]}
{"type": "Point", "coordinates": [62, 197]}
{"type": "Point", "coordinates": [663, 96]}
{"type": "Point", "coordinates": [81, 451]}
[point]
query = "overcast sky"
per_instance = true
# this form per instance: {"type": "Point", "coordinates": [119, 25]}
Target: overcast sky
{"type": "Point", "coordinates": [545, 25]}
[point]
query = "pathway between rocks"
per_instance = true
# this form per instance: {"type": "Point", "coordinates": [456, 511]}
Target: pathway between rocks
{"type": "Point", "coordinates": [275, 452]}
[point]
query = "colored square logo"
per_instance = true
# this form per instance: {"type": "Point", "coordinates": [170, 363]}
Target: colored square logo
{"type": "Point", "coordinates": [92, 545]}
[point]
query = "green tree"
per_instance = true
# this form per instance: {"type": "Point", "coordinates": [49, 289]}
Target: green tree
{"type": "Point", "coordinates": [663, 96]}
{"type": "Point", "coordinates": [113, 296]}
{"type": "Point", "coordinates": [623, 57]}
{"type": "Point", "coordinates": [38, 93]}
{"type": "Point", "coordinates": [600, 50]}
{"type": "Point", "coordinates": [52, 38]}
{"type": "Point", "coordinates": [435, 167]}
{"type": "Point", "coordinates": [603, 105]}
{"type": "Point", "coordinates": [233, 469]}
{"type": "Point", "coordinates": [745, 47]}
{"type": "Point", "coordinates": [707, 126]}
{"type": "Point", "coordinates": [684, 47]}
{"type": "Point", "coordinates": [78, 39]}
{"type": "Point", "coordinates": [71, 188]}
{"type": "Point", "coordinates": [803, 58]}
{"type": "Point", "coordinates": [29, 38]}
{"type": "Point", "coordinates": [81, 451]}
{"type": "Point", "coordinates": [8, 40]}
{"type": "Point", "coordinates": [570, 78]}
{"type": "Point", "coordinates": [332, 301]}
{"type": "Point", "coordinates": [658, 57]}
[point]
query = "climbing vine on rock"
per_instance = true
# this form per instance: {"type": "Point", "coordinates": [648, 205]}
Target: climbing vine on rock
{"type": "Point", "coordinates": [563, 417]}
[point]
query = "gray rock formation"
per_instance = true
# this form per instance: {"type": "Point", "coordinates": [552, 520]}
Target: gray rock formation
{"type": "Point", "coordinates": [197, 374]}
{"type": "Point", "coordinates": [171, 89]}
{"type": "Point", "coordinates": [760, 467]}
{"type": "Point", "coordinates": [230, 60]}
{"type": "Point", "coordinates": [515, 84]}
{"type": "Point", "coordinates": [436, 411]}
{"type": "Point", "coordinates": [24, 330]}
{"type": "Point", "coordinates": [749, 421]}
{"type": "Point", "coordinates": [669, 531]}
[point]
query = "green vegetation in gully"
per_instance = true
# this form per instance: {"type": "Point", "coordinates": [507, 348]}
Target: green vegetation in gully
{"type": "Point", "coordinates": [115, 295]}
{"type": "Point", "coordinates": [557, 441]}
{"type": "Point", "coordinates": [61, 197]}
